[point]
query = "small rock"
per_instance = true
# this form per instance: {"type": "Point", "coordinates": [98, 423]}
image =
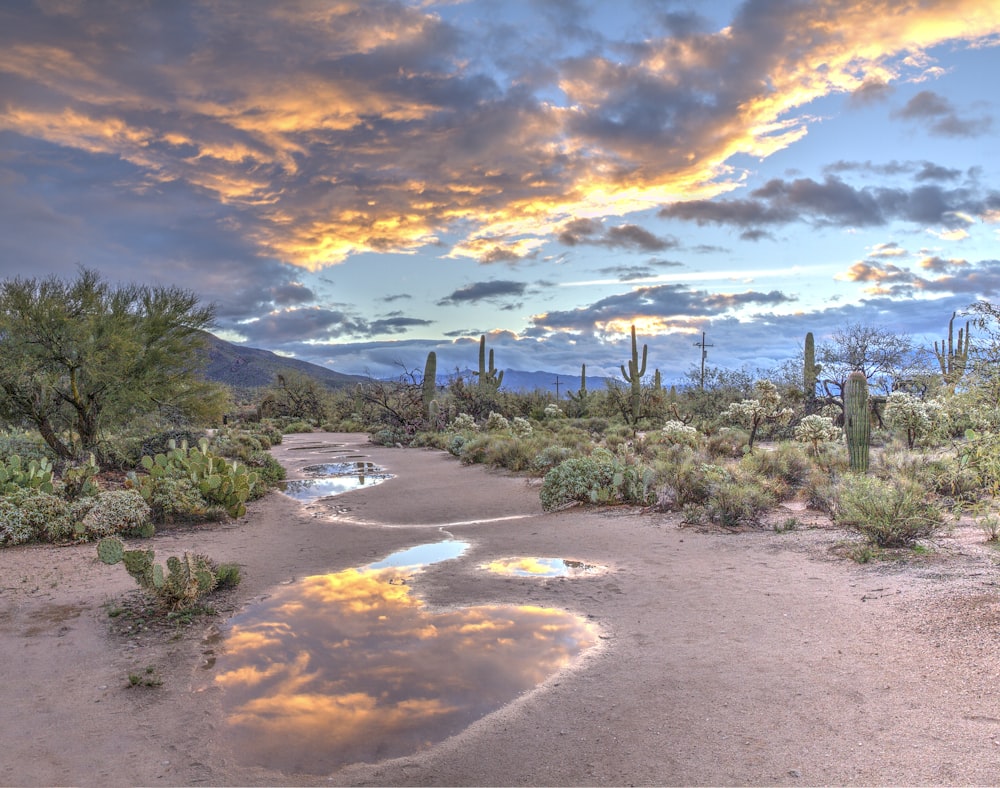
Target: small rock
{"type": "Point", "coordinates": [794, 773]}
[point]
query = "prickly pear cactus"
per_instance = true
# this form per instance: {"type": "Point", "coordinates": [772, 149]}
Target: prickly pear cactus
{"type": "Point", "coordinates": [111, 550]}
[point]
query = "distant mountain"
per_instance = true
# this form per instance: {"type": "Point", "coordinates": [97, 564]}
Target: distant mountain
{"type": "Point", "coordinates": [248, 367]}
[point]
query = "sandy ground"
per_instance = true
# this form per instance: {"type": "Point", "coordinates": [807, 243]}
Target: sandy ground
{"type": "Point", "coordinates": [754, 658]}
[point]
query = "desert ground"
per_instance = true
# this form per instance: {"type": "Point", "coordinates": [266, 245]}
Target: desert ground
{"type": "Point", "coordinates": [749, 658]}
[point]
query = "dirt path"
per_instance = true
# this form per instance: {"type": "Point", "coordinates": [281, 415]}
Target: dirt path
{"type": "Point", "coordinates": [724, 659]}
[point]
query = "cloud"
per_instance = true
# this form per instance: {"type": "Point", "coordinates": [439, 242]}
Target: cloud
{"type": "Point", "coordinates": [484, 291]}
{"type": "Point", "coordinates": [941, 117]}
{"type": "Point", "coordinates": [625, 236]}
{"type": "Point", "coordinates": [834, 202]}
{"type": "Point", "coordinates": [324, 131]}
{"type": "Point", "coordinates": [937, 276]}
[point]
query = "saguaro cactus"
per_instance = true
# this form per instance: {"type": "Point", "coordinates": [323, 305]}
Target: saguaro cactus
{"type": "Point", "coordinates": [580, 397]}
{"type": "Point", "coordinates": [489, 378]}
{"type": "Point", "coordinates": [857, 421]}
{"type": "Point", "coordinates": [951, 358]}
{"type": "Point", "coordinates": [810, 371]}
{"type": "Point", "coordinates": [429, 382]}
{"type": "Point", "coordinates": [634, 377]}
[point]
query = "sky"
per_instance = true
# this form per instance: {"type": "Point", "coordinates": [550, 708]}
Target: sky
{"type": "Point", "coordinates": [358, 182]}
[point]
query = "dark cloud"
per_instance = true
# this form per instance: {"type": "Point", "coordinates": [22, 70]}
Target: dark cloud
{"type": "Point", "coordinates": [941, 117]}
{"type": "Point", "coordinates": [836, 203]}
{"type": "Point", "coordinates": [397, 325]}
{"type": "Point", "coordinates": [667, 302]}
{"type": "Point", "coordinates": [872, 91]}
{"type": "Point", "coordinates": [485, 291]}
{"type": "Point", "coordinates": [291, 294]}
{"type": "Point", "coordinates": [625, 236]}
{"type": "Point", "coordinates": [300, 324]}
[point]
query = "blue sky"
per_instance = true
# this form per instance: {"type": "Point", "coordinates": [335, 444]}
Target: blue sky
{"type": "Point", "coordinates": [356, 183]}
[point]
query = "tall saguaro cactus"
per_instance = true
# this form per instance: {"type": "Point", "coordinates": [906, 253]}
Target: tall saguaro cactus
{"type": "Point", "coordinates": [857, 421]}
{"type": "Point", "coordinates": [489, 378]}
{"type": "Point", "coordinates": [810, 371]}
{"type": "Point", "coordinates": [634, 377]}
{"type": "Point", "coordinates": [581, 396]}
{"type": "Point", "coordinates": [429, 383]}
{"type": "Point", "coordinates": [953, 359]}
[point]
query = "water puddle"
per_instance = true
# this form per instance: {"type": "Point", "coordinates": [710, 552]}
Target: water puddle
{"type": "Point", "coordinates": [542, 567]}
{"type": "Point", "coordinates": [351, 667]}
{"type": "Point", "coordinates": [333, 478]}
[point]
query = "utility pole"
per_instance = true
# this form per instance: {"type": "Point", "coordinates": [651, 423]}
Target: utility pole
{"type": "Point", "coordinates": [704, 354]}
{"type": "Point", "coordinates": [557, 387]}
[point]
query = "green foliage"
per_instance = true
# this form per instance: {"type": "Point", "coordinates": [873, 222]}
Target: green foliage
{"type": "Point", "coordinates": [14, 529]}
{"type": "Point", "coordinates": [953, 359]}
{"type": "Point", "coordinates": [733, 503]}
{"type": "Point", "coordinates": [601, 478]}
{"type": "Point", "coordinates": [429, 382]}
{"type": "Point", "coordinates": [296, 396]}
{"type": "Point", "coordinates": [81, 357]}
{"type": "Point", "coordinates": [80, 480]}
{"type": "Point", "coordinates": [893, 513]}
{"type": "Point", "coordinates": [727, 442]}
{"type": "Point", "coordinates": [786, 463]}
{"type": "Point", "coordinates": [810, 370]}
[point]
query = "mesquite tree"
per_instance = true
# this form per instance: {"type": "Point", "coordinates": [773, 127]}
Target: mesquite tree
{"type": "Point", "coordinates": [80, 357]}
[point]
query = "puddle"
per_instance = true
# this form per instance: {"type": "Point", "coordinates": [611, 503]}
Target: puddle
{"type": "Point", "coordinates": [333, 478]}
{"type": "Point", "coordinates": [542, 567]}
{"type": "Point", "coordinates": [350, 667]}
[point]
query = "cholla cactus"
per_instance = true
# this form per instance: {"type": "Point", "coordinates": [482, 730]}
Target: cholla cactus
{"type": "Point", "coordinates": [765, 408]}
{"type": "Point", "coordinates": [521, 427]}
{"type": "Point", "coordinates": [463, 422]}
{"type": "Point", "coordinates": [496, 422]}
{"type": "Point", "coordinates": [553, 411]}
{"type": "Point", "coordinates": [919, 419]}
{"type": "Point", "coordinates": [816, 429]}
{"type": "Point", "coordinates": [678, 432]}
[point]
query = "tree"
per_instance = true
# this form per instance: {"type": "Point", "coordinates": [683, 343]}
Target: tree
{"type": "Point", "coordinates": [885, 358]}
{"type": "Point", "coordinates": [765, 408]}
{"type": "Point", "coordinates": [82, 356]}
{"type": "Point", "coordinates": [297, 395]}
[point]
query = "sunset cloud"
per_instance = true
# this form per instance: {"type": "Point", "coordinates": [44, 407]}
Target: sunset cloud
{"type": "Point", "coordinates": [381, 129]}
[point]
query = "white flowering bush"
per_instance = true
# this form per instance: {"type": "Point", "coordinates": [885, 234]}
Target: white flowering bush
{"type": "Point", "coordinates": [816, 430]}
{"type": "Point", "coordinates": [763, 409]}
{"type": "Point", "coordinates": [520, 427]}
{"type": "Point", "coordinates": [496, 422]}
{"type": "Point", "coordinates": [115, 512]}
{"type": "Point", "coordinates": [463, 422]}
{"type": "Point", "coordinates": [677, 432]}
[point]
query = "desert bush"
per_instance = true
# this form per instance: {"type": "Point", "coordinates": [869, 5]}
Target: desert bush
{"type": "Point", "coordinates": [821, 492]}
{"type": "Point", "coordinates": [14, 529]}
{"type": "Point", "coordinates": [553, 411]}
{"type": "Point", "coordinates": [738, 502]}
{"type": "Point", "coordinates": [886, 513]}
{"type": "Point", "coordinates": [115, 512]}
{"type": "Point", "coordinates": [269, 472]}
{"type": "Point", "coordinates": [463, 422]}
{"type": "Point", "coordinates": [726, 443]}
{"type": "Point", "coordinates": [49, 517]}
{"type": "Point", "coordinates": [687, 481]}
{"type": "Point", "coordinates": [26, 445]}
{"type": "Point", "coordinates": [175, 498]}
{"type": "Point", "coordinates": [785, 462]}
{"type": "Point", "coordinates": [550, 456]}
{"type": "Point", "coordinates": [601, 478]}
{"type": "Point", "coordinates": [921, 421]}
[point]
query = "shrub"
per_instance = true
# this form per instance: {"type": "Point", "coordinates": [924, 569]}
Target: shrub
{"type": "Point", "coordinates": [297, 426]}
{"type": "Point", "coordinates": [600, 478]}
{"type": "Point", "coordinates": [174, 498]}
{"type": "Point", "coordinates": [738, 502]}
{"type": "Point", "coordinates": [786, 463]}
{"type": "Point", "coordinates": [687, 482]}
{"type": "Point", "coordinates": [553, 411]}
{"type": "Point", "coordinates": [550, 457]}
{"type": "Point", "coordinates": [269, 471]}
{"type": "Point", "coordinates": [13, 528]}
{"type": "Point", "coordinates": [49, 516]}
{"type": "Point", "coordinates": [728, 442]}
{"type": "Point", "coordinates": [463, 422]}
{"type": "Point", "coordinates": [886, 513]}
{"type": "Point", "coordinates": [115, 512]}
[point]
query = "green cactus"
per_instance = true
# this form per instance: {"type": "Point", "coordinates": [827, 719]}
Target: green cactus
{"type": "Point", "coordinates": [810, 371]}
{"type": "Point", "coordinates": [16, 475]}
{"type": "Point", "coordinates": [111, 550]}
{"type": "Point", "coordinates": [489, 378]}
{"type": "Point", "coordinates": [581, 397]}
{"type": "Point", "coordinates": [634, 377]}
{"type": "Point", "coordinates": [657, 380]}
{"type": "Point", "coordinates": [953, 360]}
{"type": "Point", "coordinates": [857, 421]}
{"type": "Point", "coordinates": [429, 382]}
